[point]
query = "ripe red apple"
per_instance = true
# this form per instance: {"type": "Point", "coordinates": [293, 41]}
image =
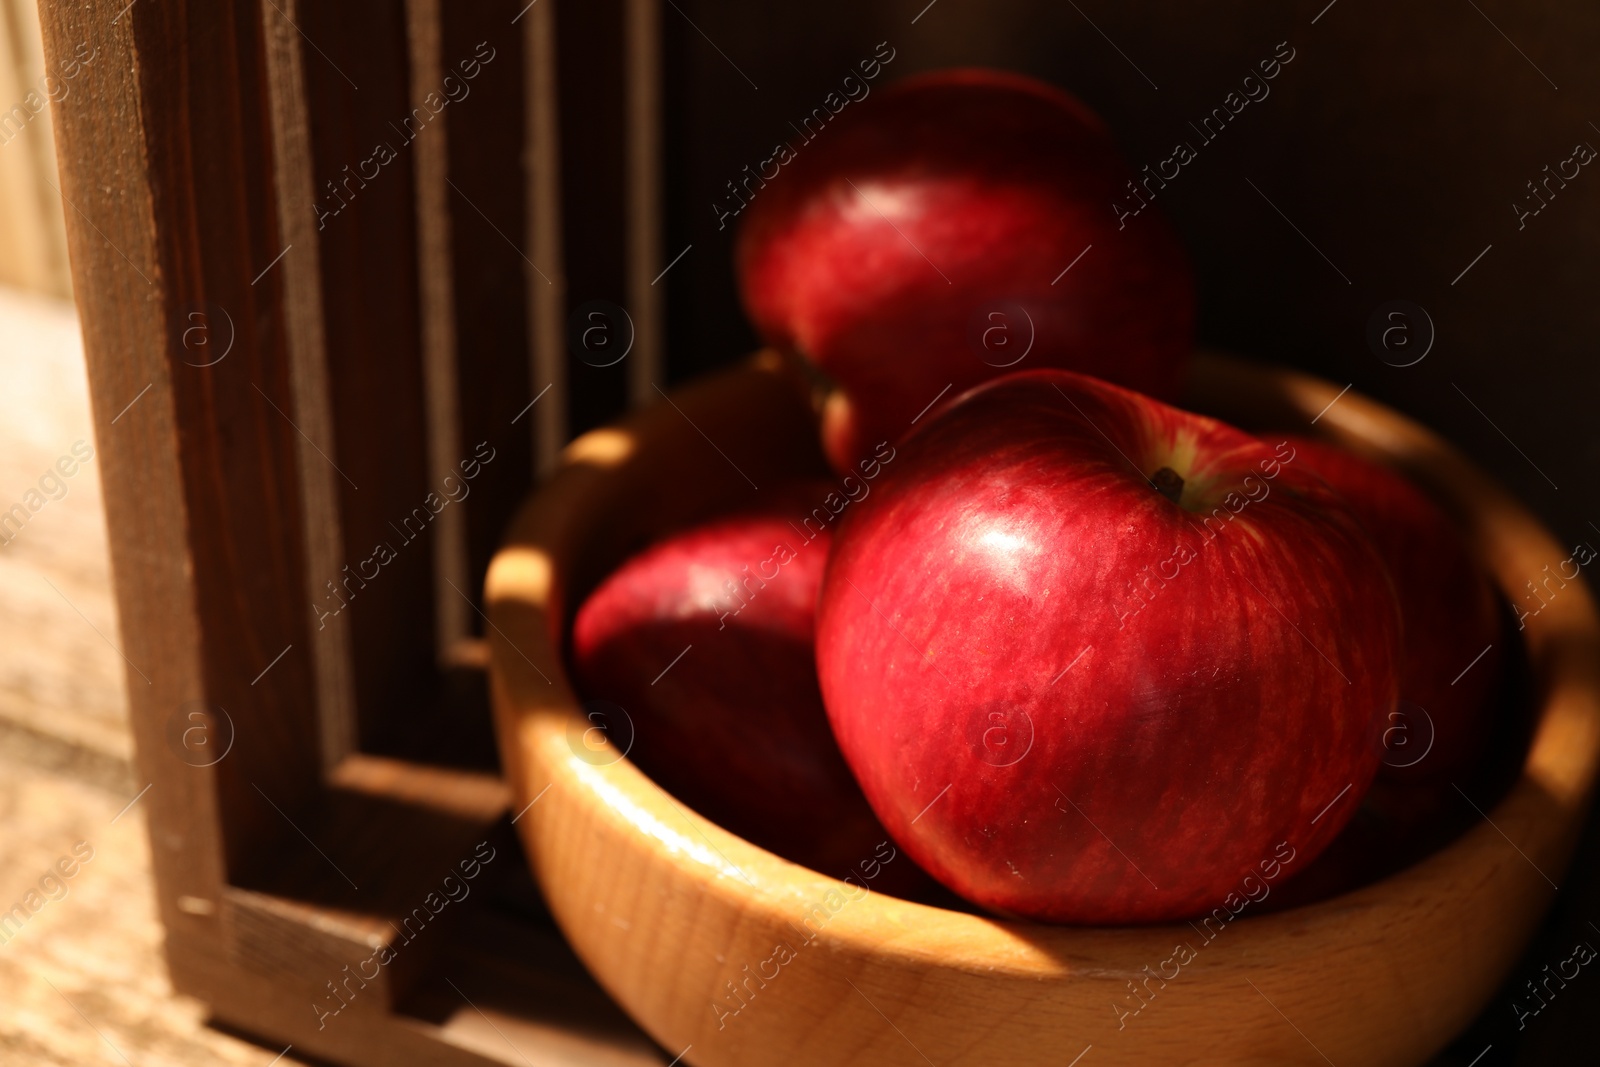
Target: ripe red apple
{"type": "Point", "coordinates": [951, 226]}
{"type": "Point", "coordinates": [704, 640]}
{"type": "Point", "coordinates": [1094, 659]}
{"type": "Point", "coordinates": [1449, 617]}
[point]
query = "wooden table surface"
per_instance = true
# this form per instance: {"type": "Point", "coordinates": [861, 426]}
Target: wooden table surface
{"type": "Point", "coordinates": [82, 982]}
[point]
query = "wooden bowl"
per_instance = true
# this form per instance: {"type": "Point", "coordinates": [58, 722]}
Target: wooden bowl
{"type": "Point", "coordinates": [700, 935]}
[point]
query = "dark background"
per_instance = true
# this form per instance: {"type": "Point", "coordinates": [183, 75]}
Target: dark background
{"type": "Point", "coordinates": [1396, 141]}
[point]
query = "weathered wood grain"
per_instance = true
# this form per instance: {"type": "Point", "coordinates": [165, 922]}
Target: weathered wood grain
{"type": "Point", "coordinates": [97, 949]}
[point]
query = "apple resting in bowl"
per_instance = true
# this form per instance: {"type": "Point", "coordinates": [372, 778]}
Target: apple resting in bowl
{"type": "Point", "coordinates": [704, 643]}
{"type": "Point", "coordinates": [1096, 660]}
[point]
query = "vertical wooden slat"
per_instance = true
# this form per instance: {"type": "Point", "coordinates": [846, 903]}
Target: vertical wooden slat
{"type": "Point", "coordinates": [548, 284]}
{"type": "Point", "coordinates": [365, 139]}
{"type": "Point", "coordinates": [437, 310]}
{"type": "Point", "coordinates": [642, 30]}
{"type": "Point", "coordinates": [122, 293]}
{"type": "Point", "coordinates": [307, 344]}
{"type": "Point", "coordinates": [165, 151]}
{"type": "Point", "coordinates": [491, 261]}
{"type": "Point", "coordinates": [210, 161]}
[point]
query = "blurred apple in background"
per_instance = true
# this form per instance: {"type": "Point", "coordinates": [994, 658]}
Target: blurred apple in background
{"type": "Point", "coordinates": [952, 226]}
{"type": "Point", "coordinates": [704, 640]}
{"type": "Point", "coordinates": [1093, 659]}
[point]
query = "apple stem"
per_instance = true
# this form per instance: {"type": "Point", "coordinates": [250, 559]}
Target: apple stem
{"type": "Point", "coordinates": [1168, 483]}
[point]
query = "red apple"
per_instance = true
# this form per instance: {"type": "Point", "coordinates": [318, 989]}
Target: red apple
{"type": "Point", "coordinates": [1095, 660]}
{"type": "Point", "coordinates": [951, 226]}
{"type": "Point", "coordinates": [704, 640]}
{"type": "Point", "coordinates": [1449, 614]}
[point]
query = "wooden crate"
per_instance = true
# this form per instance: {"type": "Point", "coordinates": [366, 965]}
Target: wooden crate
{"type": "Point", "coordinates": [294, 335]}
{"type": "Point", "coordinates": [320, 298]}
